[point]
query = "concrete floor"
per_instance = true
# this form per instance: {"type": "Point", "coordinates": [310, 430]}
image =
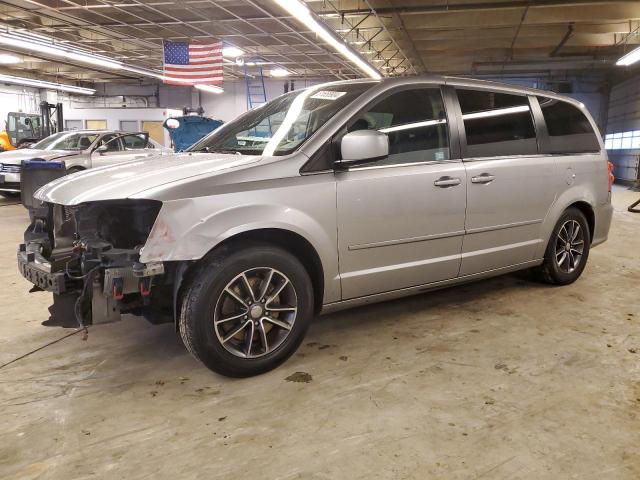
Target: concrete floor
{"type": "Point", "coordinates": [503, 379]}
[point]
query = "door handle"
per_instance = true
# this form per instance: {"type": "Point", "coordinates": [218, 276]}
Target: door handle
{"type": "Point", "coordinates": [444, 182]}
{"type": "Point", "coordinates": [484, 178]}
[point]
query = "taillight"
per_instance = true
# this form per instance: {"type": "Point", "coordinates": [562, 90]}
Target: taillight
{"type": "Point", "coordinates": [611, 176]}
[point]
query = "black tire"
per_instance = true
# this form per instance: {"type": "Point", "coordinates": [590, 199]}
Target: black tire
{"type": "Point", "coordinates": [203, 293]}
{"type": "Point", "coordinates": [554, 270]}
{"type": "Point", "coordinates": [75, 170]}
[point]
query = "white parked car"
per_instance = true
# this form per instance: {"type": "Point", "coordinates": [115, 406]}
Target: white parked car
{"type": "Point", "coordinates": [80, 149]}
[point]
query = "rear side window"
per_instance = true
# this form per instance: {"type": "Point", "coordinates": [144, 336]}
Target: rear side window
{"type": "Point", "coordinates": [134, 142]}
{"type": "Point", "coordinates": [569, 129]}
{"type": "Point", "coordinates": [414, 121]}
{"type": "Point", "coordinates": [497, 124]}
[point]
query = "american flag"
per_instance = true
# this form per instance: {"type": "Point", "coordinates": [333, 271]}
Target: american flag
{"type": "Point", "coordinates": [192, 63]}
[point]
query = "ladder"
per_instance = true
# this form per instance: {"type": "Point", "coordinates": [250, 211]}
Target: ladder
{"type": "Point", "coordinates": [256, 97]}
{"type": "Point", "coordinates": [256, 92]}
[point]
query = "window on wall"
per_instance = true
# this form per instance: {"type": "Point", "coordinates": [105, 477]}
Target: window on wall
{"type": "Point", "coordinates": [414, 121]}
{"type": "Point", "coordinates": [129, 125]}
{"type": "Point", "coordinates": [73, 124]}
{"type": "Point", "coordinates": [96, 124]}
{"type": "Point", "coordinates": [568, 127]}
{"type": "Point", "coordinates": [497, 124]}
{"type": "Point", "coordinates": [629, 140]}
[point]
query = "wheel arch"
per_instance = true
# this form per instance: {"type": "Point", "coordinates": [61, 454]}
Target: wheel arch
{"type": "Point", "coordinates": [587, 210]}
{"type": "Point", "coordinates": [288, 240]}
{"type": "Point", "coordinates": [292, 242]}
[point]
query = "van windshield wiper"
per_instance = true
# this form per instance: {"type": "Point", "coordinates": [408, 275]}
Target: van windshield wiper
{"type": "Point", "coordinates": [217, 150]}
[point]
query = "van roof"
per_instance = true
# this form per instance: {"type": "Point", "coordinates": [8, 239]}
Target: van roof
{"type": "Point", "coordinates": [466, 82]}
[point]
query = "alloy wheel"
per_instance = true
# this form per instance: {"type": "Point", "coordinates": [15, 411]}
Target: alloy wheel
{"type": "Point", "coordinates": [255, 312]}
{"type": "Point", "coordinates": [569, 246]}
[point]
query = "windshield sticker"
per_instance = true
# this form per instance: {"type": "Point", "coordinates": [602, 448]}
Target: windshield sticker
{"type": "Point", "coordinates": [327, 95]}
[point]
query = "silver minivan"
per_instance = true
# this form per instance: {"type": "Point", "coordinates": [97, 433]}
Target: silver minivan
{"type": "Point", "coordinates": [338, 195]}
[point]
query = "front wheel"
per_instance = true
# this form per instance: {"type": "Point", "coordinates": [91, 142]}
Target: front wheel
{"type": "Point", "coordinates": [246, 310]}
{"type": "Point", "coordinates": [568, 249]}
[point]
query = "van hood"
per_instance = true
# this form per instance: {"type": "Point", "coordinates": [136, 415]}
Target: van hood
{"type": "Point", "coordinates": [15, 157]}
{"type": "Point", "coordinates": [128, 179]}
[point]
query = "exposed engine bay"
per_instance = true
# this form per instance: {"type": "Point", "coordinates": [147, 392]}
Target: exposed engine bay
{"type": "Point", "coordinates": [88, 255]}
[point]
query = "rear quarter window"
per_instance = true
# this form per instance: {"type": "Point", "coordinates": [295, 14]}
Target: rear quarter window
{"type": "Point", "coordinates": [497, 124]}
{"type": "Point", "coordinates": [568, 127]}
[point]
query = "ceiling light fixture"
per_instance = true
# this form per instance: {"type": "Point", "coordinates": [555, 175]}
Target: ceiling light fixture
{"type": "Point", "coordinates": [7, 58]}
{"type": "Point", "coordinates": [200, 86]}
{"type": "Point", "coordinates": [29, 82]}
{"type": "Point", "coordinates": [630, 58]}
{"type": "Point", "coordinates": [279, 72]}
{"type": "Point", "coordinates": [39, 46]}
{"type": "Point", "coordinates": [209, 88]}
{"type": "Point", "coordinates": [301, 13]}
{"type": "Point", "coordinates": [231, 51]}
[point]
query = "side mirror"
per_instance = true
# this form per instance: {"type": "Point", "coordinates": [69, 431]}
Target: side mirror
{"type": "Point", "coordinates": [102, 149]}
{"type": "Point", "coordinates": [363, 146]}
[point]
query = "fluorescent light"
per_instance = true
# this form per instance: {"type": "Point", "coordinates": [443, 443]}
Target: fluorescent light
{"type": "Point", "coordinates": [44, 45]}
{"type": "Point", "coordinates": [299, 11]}
{"type": "Point", "coordinates": [62, 52]}
{"type": "Point", "coordinates": [209, 88]}
{"type": "Point", "coordinates": [189, 83]}
{"type": "Point", "coordinates": [7, 58]}
{"type": "Point", "coordinates": [232, 52]}
{"type": "Point", "coordinates": [29, 82]}
{"type": "Point", "coordinates": [279, 72]}
{"type": "Point", "coordinates": [630, 58]}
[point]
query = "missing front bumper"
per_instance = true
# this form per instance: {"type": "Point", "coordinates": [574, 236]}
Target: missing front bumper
{"type": "Point", "coordinates": [38, 271]}
{"type": "Point", "coordinates": [103, 292]}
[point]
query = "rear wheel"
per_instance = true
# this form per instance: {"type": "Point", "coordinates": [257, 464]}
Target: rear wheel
{"type": "Point", "coordinates": [245, 311]}
{"type": "Point", "coordinates": [568, 249]}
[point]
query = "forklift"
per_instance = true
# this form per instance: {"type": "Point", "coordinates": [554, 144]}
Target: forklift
{"type": "Point", "coordinates": [25, 129]}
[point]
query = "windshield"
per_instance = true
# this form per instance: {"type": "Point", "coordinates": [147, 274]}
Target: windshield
{"type": "Point", "coordinates": [283, 124]}
{"type": "Point", "coordinates": [66, 141]}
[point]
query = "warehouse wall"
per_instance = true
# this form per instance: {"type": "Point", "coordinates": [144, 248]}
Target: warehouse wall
{"type": "Point", "coordinates": [624, 106]}
{"type": "Point", "coordinates": [624, 120]}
